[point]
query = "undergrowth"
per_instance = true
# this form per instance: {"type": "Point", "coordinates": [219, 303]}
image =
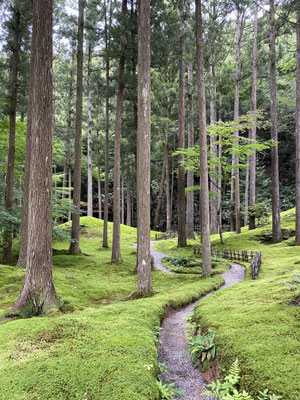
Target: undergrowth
{"type": "Point", "coordinates": [98, 348]}
{"type": "Point", "coordinates": [256, 321]}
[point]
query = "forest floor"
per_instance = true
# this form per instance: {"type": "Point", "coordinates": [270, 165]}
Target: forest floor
{"type": "Point", "coordinates": [104, 344]}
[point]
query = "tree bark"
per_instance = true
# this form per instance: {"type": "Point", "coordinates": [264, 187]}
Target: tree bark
{"type": "Point", "coordinates": [9, 195]}
{"type": "Point", "coordinates": [116, 250]}
{"type": "Point", "coordinates": [74, 245]}
{"type": "Point", "coordinates": [89, 138]}
{"type": "Point", "coordinates": [235, 158]}
{"type": "Point", "coordinates": [213, 139]}
{"type": "Point", "coordinates": [297, 242]}
{"type": "Point", "coordinates": [276, 229]}
{"type": "Point", "coordinates": [167, 180]}
{"type": "Point", "coordinates": [247, 191]}
{"type": "Point", "coordinates": [144, 284]}
{"type": "Point", "coordinates": [160, 196]}
{"type": "Point", "coordinates": [38, 294]}
{"type": "Point", "coordinates": [106, 157]}
{"type": "Point", "coordinates": [204, 195]}
{"type": "Point", "coordinates": [181, 135]}
{"type": "Point", "coordinates": [70, 190]}
{"type": "Point", "coordinates": [128, 213]}
{"type": "Point", "coordinates": [99, 192]}
{"type": "Point", "coordinates": [252, 168]}
{"type": "Point", "coordinates": [190, 174]}
{"type": "Point", "coordinates": [123, 203]}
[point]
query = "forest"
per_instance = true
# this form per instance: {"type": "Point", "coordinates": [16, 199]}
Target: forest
{"type": "Point", "coordinates": [149, 199]}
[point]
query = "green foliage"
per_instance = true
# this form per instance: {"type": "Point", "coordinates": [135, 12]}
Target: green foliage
{"type": "Point", "coordinates": [261, 212]}
{"type": "Point", "coordinates": [99, 346]}
{"type": "Point", "coordinates": [227, 389]}
{"type": "Point", "coordinates": [168, 391]}
{"type": "Point", "coordinates": [201, 347]}
{"type": "Point", "coordinates": [295, 282]}
{"type": "Point", "coordinates": [179, 261]}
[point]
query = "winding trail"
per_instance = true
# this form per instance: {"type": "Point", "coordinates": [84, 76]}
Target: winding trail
{"type": "Point", "coordinates": [173, 341]}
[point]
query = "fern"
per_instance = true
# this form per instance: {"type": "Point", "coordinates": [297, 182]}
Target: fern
{"type": "Point", "coordinates": [227, 391]}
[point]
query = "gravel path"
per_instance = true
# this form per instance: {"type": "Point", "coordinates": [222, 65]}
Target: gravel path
{"type": "Point", "coordinates": [173, 341]}
{"type": "Point", "coordinates": [157, 259]}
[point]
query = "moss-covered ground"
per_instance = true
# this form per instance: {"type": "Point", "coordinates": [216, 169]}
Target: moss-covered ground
{"type": "Point", "coordinates": [103, 346]}
{"type": "Point", "coordinates": [254, 320]}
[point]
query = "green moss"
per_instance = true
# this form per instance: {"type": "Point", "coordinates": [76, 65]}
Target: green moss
{"type": "Point", "coordinates": [99, 346]}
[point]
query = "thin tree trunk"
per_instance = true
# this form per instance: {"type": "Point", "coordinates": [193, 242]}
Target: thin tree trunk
{"type": "Point", "coordinates": [276, 230]}
{"type": "Point", "coordinates": [99, 192]}
{"type": "Point", "coordinates": [181, 135]}
{"type": "Point", "coordinates": [167, 180]}
{"type": "Point", "coordinates": [247, 192]}
{"type": "Point", "coordinates": [70, 190]}
{"type": "Point", "coordinates": [235, 157]}
{"type": "Point", "coordinates": [190, 174]}
{"type": "Point", "coordinates": [297, 242]}
{"type": "Point", "coordinates": [9, 195]}
{"type": "Point", "coordinates": [38, 294]}
{"type": "Point", "coordinates": [89, 138]}
{"type": "Point", "coordinates": [63, 195]}
{"type": "Point", "coordinates": [160, 196]}
{"type": "Point", "coordinates": [128, 213]}
{"type": "Point", "coordinates": [74, 245]}
{"type": "Point", "coordinates": [213, 139]}
{"type": "Point", "coordinates": [220, 158]}
{"type": "Point", "coordinates": [172, 183]}
{"type": "Point", "coordinates": [144, 284]}
{"type": "Point", "coordinates": [116, 250]}
{"type": "Point", "coordinates": [204, 195]}
{"type": "Point", "coordinates": [252, 185]}
{"type": "Point", "coordinates": [106, 157]}
{"type": "Point", "coordinates": [123, 203]}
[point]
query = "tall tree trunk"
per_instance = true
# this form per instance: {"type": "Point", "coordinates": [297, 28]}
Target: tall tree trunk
{"type": "Point", "coordinates": [70, 190]}
{"type": "Point", "coordinates": [167, 180]}
{"type": "Point", "coordinates": [128, 213]}
{"type": "Point", "coordinates": [213, 139]}
{"type": "Point", "coordinates": [235, 158]}
{"type": "Point", "coordinates": [38, 294]}
{"type": "Point", "coordinates": [181, 135]}
{"type": "Point", "coordinates": [252, 185]}
{"type": "Point", "coordinates": [297, 242]}
{"type": "Point", "coordinates": [190, 174]}
{"type": "Point", "coordinates": [106, 157]}
{"type": "Point", "coordinates": [143, 150]}
{"type": "Point", "coordinates": [204, 195]}
{"type": "Point", "coordinates": [160, 196]}
{"type": "Point", "coordinates": [172, 183]}
{"type": "Point", "coordinates": [9, 195]}
{"type": "Point", "coordinates": [247, 192]}
{"type": "Point", "coordinates": [276, 230]}
{"type": "Point", "coordinates": [123, 203]}
{"type": "Point", "coordinates": [116, 250]}
{"type": "Point", "coordinates": [99, 192]}
{"type": "Point", "coordinates": [220, 151]}
{"type": "Point", "coordinates": [89, 138]}
{"type": "Point", "coordinates": [74, 245]}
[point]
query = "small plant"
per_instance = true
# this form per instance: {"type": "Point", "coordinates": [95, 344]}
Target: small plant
{"type": "Point", "coordinates": [168, 391]}
{"type": "Point", "coordinates": [155, 333]}
{"type": "Point", "coordinates": [294, 283]}
{"type": "Point", "coordinates": [201, 347]}
{"type": "Point", "coordinates": [227, 390]}
{"type": "Point", "coordinates": [179, 261]}
{"type": "Point", "coordinates": [162, 368]}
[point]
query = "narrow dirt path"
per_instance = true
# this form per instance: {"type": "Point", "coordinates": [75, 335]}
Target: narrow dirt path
{"type": "Point", "coordinates": [173, 341]}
